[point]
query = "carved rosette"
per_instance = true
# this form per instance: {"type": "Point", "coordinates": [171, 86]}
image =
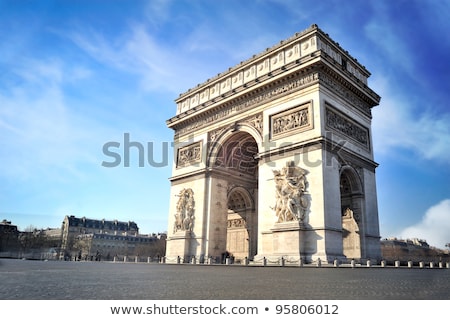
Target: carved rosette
{"type": "Point", "coordinates": [291, 198]}
{"type": "Point", "coordinates": [184, 218]}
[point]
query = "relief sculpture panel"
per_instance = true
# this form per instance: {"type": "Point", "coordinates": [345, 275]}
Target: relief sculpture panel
{"type": "Point", "coordinates": [291, 198]}
{"type": "Point", "coordinates": [184, 218]}
{"type": "Point", "coordinates": [190, 154]}
{"type": "Point", "coordinates": [291, 121]}
{"type": "Point", "coordinates": [349, 128]}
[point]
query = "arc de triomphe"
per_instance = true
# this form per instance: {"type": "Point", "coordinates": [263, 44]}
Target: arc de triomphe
{"type": "Point", "coordinates": [274, 158]}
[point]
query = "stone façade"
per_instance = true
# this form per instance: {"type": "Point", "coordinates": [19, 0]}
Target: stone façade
{"type": "Point", "coordinates": [241, 140]}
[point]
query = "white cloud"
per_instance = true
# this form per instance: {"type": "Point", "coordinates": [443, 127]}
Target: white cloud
{"type": "Point", "coordinates": [434, 226]}
{"type": "Point", "coordinates": [395, 49]}
{"type": "Point", "coordinates": [157, 11]}
{"type": "Point", "coordinates": [201, 53]}
{"type": "Point", "coordinates": [41, 134]}
{"type": "Point", "coordinates": [139, 53]}
{"type": "Point", "coordinates": [408, 117]}
{"type": "Point", "coordinates": [399, 125]}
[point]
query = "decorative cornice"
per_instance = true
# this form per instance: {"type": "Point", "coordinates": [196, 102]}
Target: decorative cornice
{"type": "Point", "coordinates": [290, 83]}
{"type": "Point", "coordinates": [346, 155]}
{"type": "Point", "coordinates": [297, 80]}
{"type": "Point", "coordinates": [188, 175]}
{"type": "Point", "coordinates": [288, 54]}
{"type": "Point", "coordinates": [363, 98]}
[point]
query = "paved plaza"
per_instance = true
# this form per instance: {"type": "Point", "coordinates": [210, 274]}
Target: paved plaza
{"type": "Point", "coordinates": [62, 280]}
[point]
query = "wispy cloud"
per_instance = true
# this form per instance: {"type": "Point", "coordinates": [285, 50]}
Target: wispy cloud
{"type": "Point", "coordinates": [408, 45]}
{"type": "Point", "coordinates": [40, 132]}
{"type": "Point", "coordinates": [51, 147]}
{"type": "Point", "coordinates": [398, 124]}
{"type": "Point", "coordinates": [395, 49]}
{"type": "Point", "coordinates": [208, 48]}
{"type": "Point", "coordinates": [137, 52]}
{"type": "Point", "coordinates": [434, 226]}
{"type": "Point", "coordinates": [157, 12]}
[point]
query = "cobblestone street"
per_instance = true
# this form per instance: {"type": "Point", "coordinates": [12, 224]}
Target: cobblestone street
{"type": "Point", "coordinates": [47, 280]}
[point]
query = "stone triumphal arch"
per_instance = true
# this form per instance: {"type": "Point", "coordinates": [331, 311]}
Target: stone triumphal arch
{"type": "Point", "coordinates": [274, 158]}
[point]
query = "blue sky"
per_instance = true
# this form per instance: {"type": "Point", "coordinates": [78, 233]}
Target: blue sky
{"type": "Point", "coordinates": [78, 74]}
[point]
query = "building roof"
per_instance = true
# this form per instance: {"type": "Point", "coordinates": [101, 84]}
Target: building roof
{"type": "Point", "coordinates": [101, 224]}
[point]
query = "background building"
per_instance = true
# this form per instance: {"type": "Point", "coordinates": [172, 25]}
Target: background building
{"type": "Point", "coordinates": [90, 239]}
{"type": "Point", "coordinates": [102, 246]}
{"type": "Point", "coordinates": [415, 250]}
{"type": "Point", "coordinates": [9, 238]}
{"type": "Point", "coordinates": [30, 244]}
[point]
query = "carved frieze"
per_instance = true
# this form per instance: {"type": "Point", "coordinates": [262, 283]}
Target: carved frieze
{"type": "Point", "coordinates": [255, 121]}
{"type": "Point", "coordinates": [237, 223]}
{"type": "Point", "coordinates": [243, 104]}
{"type": "Point", "coordinates": [291, 198]}
{"type": "Point", "coordinates": [291, 121]}
{"type": "Point", "coordinates": [277, 59]}
{"type": "Point", "coordinates": [345, 93]}
{"type": "Point", "coordinates": [184, 218]}
{"type": "Point", "coordinates": [344, 125]}
{"type": "Point", "coordinates": [189, 154]}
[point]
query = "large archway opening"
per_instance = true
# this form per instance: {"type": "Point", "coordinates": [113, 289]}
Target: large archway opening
{"type": "Point", "coordinates": [351, 209]}
{"type": "Point", "coordinates": [240, 224]}
{"type": "Point", "coordinates": [236, 159]}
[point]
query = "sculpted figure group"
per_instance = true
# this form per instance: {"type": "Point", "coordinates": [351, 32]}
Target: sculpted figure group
{"type": "Point", "coordinates": [184, 218]}
{"type": "Point", "coordinates": [290, 187]}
